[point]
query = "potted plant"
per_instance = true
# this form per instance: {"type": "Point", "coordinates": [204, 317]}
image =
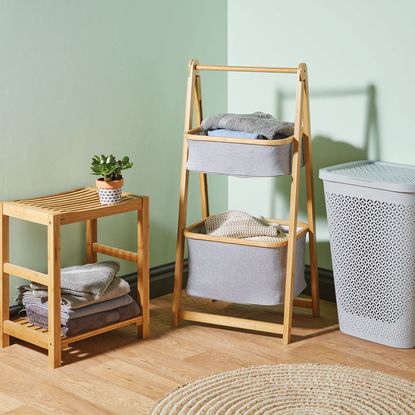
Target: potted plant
{"type": "Point", "coordinates": [111, 183]}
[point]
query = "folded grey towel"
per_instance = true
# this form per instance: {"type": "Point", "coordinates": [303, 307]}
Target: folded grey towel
{"type": "Point", "coordinates": [117, 288]}
{"type": "Point", "coordinates": [236, 224]}
{"type": "Point", "coordinates": [232, 134]}
{"type": "Point", "coordinates": [89, 281]}
{"type": "Point", "coordinates": [90, 322]}
{"type": "Point", "coordinates": [22, 289]}
{"type": "Point", "coordinates": [265, 125]}
{"type": "Point", "coordinates": [39, 307]}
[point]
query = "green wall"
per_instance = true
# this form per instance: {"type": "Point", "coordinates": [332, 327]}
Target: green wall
{"type": "Point", "coordinates": [359, 59]}
{"type": "Point", "coordinates": [99, 76]}
{"type": "Point", "coordinates": [85, 77]}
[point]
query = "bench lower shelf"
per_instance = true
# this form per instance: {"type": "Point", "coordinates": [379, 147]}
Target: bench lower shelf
{"type": "Point", "coordinates": [22, 329]}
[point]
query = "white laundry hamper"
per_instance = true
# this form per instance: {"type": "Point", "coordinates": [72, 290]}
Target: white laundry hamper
{"type": "Point", "coordinates": [371, 217]}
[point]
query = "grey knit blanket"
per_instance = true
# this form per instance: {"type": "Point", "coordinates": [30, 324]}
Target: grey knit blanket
{"type": "Point", "coordinates": [89, 281]}
{"type": "Point", "coordinates": [265, 125]}
{"type": "Point", "coordinates": [237, 224]}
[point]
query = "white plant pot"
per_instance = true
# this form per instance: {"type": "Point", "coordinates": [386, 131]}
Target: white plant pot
{"type": "Point", "coordinates": [110, 193]}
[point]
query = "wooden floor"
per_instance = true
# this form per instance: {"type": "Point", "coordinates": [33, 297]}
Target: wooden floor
{"type": "Point", "coordinates": [115, 373]}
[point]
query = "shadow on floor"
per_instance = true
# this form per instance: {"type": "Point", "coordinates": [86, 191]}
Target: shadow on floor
{"type": "Point", "coordinates": [304, 325]}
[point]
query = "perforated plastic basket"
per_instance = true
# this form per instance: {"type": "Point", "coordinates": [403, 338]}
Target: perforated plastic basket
{"type": "Point", "coordinates": [371, 217]}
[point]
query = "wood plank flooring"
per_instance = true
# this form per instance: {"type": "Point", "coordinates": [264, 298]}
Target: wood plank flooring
{"type": "Point", "coordinates": [115, 373]}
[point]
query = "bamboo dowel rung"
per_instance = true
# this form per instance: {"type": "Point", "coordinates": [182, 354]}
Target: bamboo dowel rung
{"type": "Point", "coordinates": [115, 252]}
{"type": "Point", "coordinates": [28, 274]}
{"type": "Point", "coordinates": [241, 323]}
{"type": "Point", "coordinates": [245, 69]}
{"type": "Point", "coordinates": [303, 302]}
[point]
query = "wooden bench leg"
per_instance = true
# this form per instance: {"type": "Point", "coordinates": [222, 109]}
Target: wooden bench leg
{"type": "Point", "coordinates": [143, 265]}
{"type": "Point", "coordinates": [54, 294]}
{"type": "Point", "coordinates": [4, 277]}
{"type": "Point", "coordinates": [91, 238]}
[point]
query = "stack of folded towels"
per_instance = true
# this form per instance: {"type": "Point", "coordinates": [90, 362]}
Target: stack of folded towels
{"type": "Point", "coordinates": [92, 296]}
{"type": "Point", "coordinates": [257, 125]}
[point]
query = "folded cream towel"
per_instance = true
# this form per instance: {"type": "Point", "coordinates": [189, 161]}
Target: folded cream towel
{"type": "Point", "coordinates": [236, 224]}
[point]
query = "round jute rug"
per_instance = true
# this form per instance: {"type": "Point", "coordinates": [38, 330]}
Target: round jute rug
{"type": "Point", "coordinates": [300, 389]}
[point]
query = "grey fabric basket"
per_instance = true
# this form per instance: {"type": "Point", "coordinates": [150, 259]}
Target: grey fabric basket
{"type": "Point", "coordinates": [234, 159]}
{"type": "Point", "coordinates": [241, 274]}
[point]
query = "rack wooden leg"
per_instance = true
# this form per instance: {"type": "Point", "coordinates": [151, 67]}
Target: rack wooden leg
{"type": "Point", "coordinates": [54, 293]}
{"type": "Point", "coordinates": [178, 271]}
{"type": "Point", "coordinates": [197, 99]}
{"type": "Point", "coordinates": [143, 268]}
{"type": "Point", "coordinates": [292, 238]}
{"type": "Point", "coordinates": [91, 238]}
{"type": "Point", "coordinates": [191, 92]}
{"type": "Point", "coordinates": [291, 254]}
{"type": "Point", "coordinates": [308, 161]}
{"type": "Point", "coordinates": [311, 232]}
{"type": "Point", "coordinates": [4, 280]}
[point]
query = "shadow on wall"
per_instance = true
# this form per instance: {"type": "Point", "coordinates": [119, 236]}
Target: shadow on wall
{"type": "Point", "coordinates": [327, 151]}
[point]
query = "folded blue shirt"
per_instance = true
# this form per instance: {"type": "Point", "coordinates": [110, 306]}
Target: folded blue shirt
{"type": "Point", "coordinates": [229, 133]}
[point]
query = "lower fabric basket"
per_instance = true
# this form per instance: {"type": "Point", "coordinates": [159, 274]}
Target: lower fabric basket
{"type": "Point", "coordinates": [239, 270]}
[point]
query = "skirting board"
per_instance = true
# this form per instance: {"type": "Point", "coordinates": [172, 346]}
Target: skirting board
{"type": "Point", "coordinates": [325, 282]}
{"type": "Point", "coordinates": [161, 283]}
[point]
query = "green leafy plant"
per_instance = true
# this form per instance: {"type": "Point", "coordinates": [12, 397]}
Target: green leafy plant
{"type": "Point", "coordinates": [109, 167]}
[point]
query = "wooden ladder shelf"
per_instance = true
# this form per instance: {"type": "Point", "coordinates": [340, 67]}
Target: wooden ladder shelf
{"type": "Point", "coordinates": [301, 139]}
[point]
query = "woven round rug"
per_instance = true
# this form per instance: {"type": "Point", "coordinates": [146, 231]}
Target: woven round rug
{"type": "Point", "coordinates": [299, 389]}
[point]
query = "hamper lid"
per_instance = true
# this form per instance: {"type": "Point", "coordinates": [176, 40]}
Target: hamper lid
{"type": "Point", "coordinates": [375, 174]}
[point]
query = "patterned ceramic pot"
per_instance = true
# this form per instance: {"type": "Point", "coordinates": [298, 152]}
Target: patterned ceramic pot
{"type": "Point", "coordinates": [109, 192]}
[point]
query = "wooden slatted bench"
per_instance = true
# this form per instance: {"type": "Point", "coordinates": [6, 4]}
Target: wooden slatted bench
{"type": "Point", "coordinates": [81, 205]}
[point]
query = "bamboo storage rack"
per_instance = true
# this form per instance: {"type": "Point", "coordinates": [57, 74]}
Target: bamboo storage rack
{"type": "Point", "coordinates": [301, 139]}
{"type": "Point", "coordinates": [81, 205]}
